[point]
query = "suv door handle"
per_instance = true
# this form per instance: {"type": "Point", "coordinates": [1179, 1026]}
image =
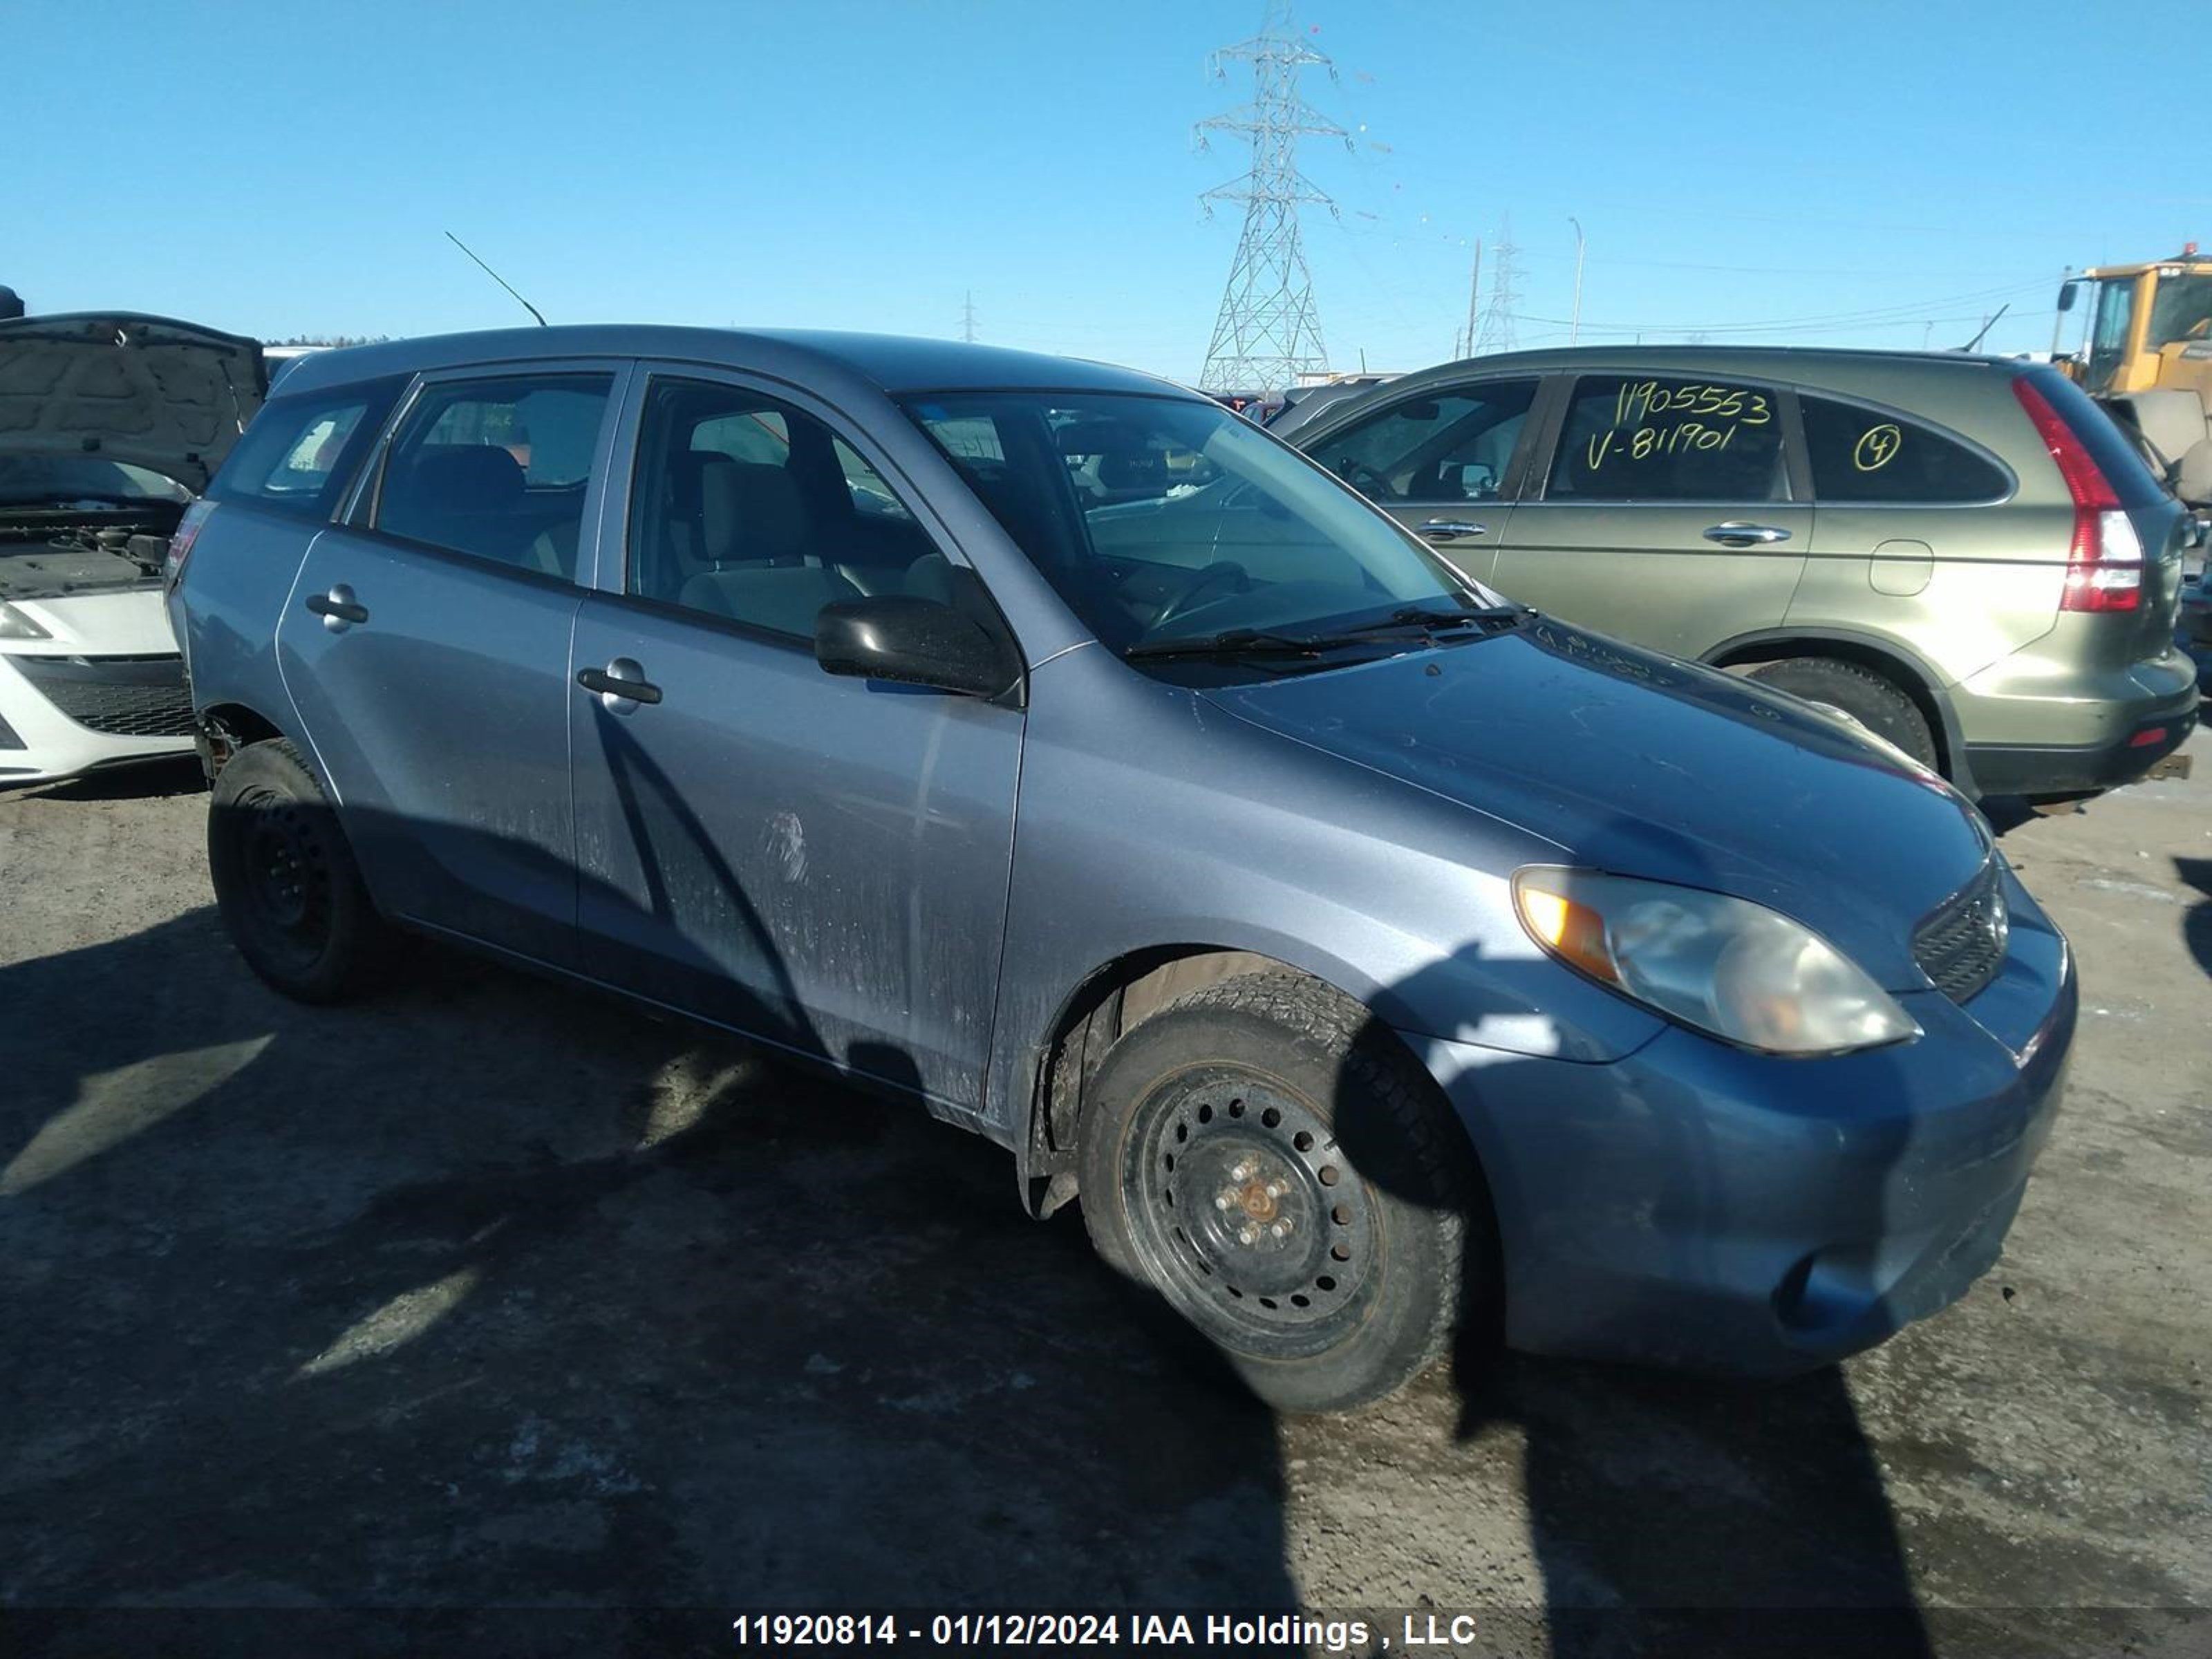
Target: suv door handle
{"type": "Point", "coordinates": [337, 607]}
{"type": "Point", "coordinates": [621, 678]}
{"type": "Point", "coordinates": [1448, 529]}
{"type": "Point", "coordinates": [1736, 533]}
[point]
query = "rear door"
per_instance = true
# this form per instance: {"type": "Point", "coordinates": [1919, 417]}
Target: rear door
{"type": "Point", "coordinates": [1442, 461]}
{"type": "Point", "coordinates": [1668, 514]}
{"type": "Point", "coordinates": [425, 646]}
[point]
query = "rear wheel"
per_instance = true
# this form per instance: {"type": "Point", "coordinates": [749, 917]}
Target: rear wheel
{"type": "Point", "coordinates": [1872, 700]}
{"type": "Point", "coordinates": [1290, 1183]}
{"type": "Point", "coordinates": [285, 880]}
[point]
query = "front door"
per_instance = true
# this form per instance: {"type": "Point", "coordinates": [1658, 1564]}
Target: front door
{"type": "Point", "coordinates": [1441, 462]}
{"type": "Point", "coordinates": [426, 650]}
{"type": "Point", "coordinates": [821, 863]}
{"type": "Point", "coordinates": [1668, 515]}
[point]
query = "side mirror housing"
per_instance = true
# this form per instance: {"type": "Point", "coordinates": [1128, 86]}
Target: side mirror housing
{"type": "Point", "coordinates": [2066, 293]}
{"type": "Point", "coordinates": [913, 642]}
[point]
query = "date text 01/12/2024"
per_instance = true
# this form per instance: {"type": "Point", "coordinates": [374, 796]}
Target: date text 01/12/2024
{"type": "Point", "coordinates": [1156, 1631]}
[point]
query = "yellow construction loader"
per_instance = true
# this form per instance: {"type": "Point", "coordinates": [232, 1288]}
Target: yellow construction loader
{"type": "Point", "coordinates": [2148, 359]}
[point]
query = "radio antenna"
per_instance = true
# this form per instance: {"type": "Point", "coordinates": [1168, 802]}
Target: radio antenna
{"type": "Point", "coordinates": [496, 277]}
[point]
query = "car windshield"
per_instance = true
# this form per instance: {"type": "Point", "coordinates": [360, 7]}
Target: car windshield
{"type": "Point", "coordinates": [1167, 518]}
{"type": "Point", "coordinates": [67, 480]}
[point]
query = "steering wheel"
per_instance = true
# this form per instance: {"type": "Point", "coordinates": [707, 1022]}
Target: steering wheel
{"type": "Point", "coordinates": [1365, 479]}
{"type": "Point", "coordinates": [1220, 571]}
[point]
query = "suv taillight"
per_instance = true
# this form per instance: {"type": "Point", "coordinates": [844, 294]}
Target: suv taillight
{"type": "Point", "coordinates": [2104, 565]}
{"type": "Point", "coordinates": [181, 545]}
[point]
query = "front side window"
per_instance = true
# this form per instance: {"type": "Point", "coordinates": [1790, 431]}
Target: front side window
{"type": "Point", "coordinates": [497, 469]}
{"type": "Point", "coordinates": [1450, 447]}
{"type": "Point", "coordinates": [298, 454]}
{"type": "Point", "coordinates": [2182, 309]}
{"type": "Point", "coordinates": [1862, 454]}
{"type": "Point", "coordinates": [749, 511]}
{"type": "Point", "coordinates": [1159, 518]}
{"type": "Point", "coordinates": [1631, 438]}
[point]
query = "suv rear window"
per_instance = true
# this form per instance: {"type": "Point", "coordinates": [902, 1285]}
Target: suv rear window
{"type": "Point", "coordinates": [300, 454]}
{"type": "Point", "coordinates": [1861, 454]}
{"type": "Point", "coordinates": [1631, 439]}
{"type": "Point", "coordinates": [2116, 457]}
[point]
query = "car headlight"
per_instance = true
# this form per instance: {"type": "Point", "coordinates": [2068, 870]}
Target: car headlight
{"type": "Point", "coordinates": [1734, 969]}
{"type": "Point", "coordinates": [14, 625]}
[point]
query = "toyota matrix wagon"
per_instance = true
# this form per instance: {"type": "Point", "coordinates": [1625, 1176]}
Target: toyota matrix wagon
{"type": "Point", "coordinates": [1046, 745]}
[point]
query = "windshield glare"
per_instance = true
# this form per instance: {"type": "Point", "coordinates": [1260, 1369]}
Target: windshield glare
{"type": "Point", "coordinates": [1164, 518]}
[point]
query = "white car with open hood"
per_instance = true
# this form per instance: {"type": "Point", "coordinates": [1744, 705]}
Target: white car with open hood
{"type": "Point", "coordinates": [110, 424]}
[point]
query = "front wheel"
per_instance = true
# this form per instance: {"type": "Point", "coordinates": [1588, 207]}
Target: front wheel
{"type": "Point", "coordinates": [285, 880]}
{"type": "Point", "coordinates": [1288, 1181]}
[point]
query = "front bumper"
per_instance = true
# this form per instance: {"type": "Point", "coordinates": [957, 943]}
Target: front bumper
{"type": "Point", "coordinates": [1696, 1205]}
{"type": "Point", "coordinates": [62, 715]}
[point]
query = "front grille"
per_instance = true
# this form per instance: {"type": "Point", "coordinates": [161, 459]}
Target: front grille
{"type": "Point", "coordinates": [123, 696]}
{"type": "Point", "coordinates": [1962, 945]}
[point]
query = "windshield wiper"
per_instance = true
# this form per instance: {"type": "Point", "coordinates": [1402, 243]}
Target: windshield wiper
{"type": "Point", "coordinates": [1236, 642]}
{"type": "Point", "coordinates": [1430, 617]}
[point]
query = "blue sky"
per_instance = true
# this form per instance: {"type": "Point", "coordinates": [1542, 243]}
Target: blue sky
{"type": "Point", "coordinates": [288, 169]}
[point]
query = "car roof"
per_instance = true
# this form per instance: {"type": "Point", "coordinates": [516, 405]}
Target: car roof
{"type": "Point", "coordinates": [888, 364]}
{"type": "Point", "coordinates": [1778, 361]}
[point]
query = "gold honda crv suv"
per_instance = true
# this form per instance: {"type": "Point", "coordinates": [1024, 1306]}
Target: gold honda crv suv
{"type": "Point", "coordinates": [1962, 554]}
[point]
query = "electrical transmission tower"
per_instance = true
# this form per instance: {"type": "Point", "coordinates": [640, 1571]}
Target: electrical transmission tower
{"type": "Point", "coordinates": [967, 318]}
{"type": "Point", "coordinates": [1496, 331]}
{"type": "Point", "coordinates": [1267, 333]}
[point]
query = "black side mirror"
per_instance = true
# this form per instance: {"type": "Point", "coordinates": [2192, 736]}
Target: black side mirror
{"type": "Point", "coordinates": [913, 642]}
{"type": "Point", "coordinates": [2066, 293]}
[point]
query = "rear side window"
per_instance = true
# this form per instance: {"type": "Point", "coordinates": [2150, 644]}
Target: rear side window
{"type": "Point", "coordinates": [497, 469]}
{"type": "Point", "coordinates": [1870, 455]}
{"type": "Point", "coordinates": [300, 454]}
{"type": "Point", "coordinates": [2116, 456]}
{"type": "Point", "coordinates": [1452, 446]}
{"type": "Point", "coordinates": [1630, 439]}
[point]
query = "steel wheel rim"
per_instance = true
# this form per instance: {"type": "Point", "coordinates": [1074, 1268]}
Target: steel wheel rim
{"type": "Point", "coordinates": [1246, 1214]}
{"type": "Point", "coordinates": [288, 878]}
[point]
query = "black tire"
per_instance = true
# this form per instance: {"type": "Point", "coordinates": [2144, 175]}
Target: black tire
{"type": "Point", "coordinates": [286, 882]}
{"type": "Point", "coordinates": [1874, 701]}
{"type": "Point", "coordinates": [1279, 1091]}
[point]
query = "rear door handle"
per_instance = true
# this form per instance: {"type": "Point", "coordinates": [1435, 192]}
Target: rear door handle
{"type": "Point", "coordinates": [1449, 530]}
{"type": "Point", "coordinates": [337, 607]}
{"type": "Point", "coordinates": [1736, 534]}
{"type": "Point", "coordinates": [621, 680]}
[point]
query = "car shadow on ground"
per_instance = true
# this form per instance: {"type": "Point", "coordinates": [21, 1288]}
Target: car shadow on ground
{"type": "Point", "coordinates": [2196, 926]}
{"type": "Point", "coordinates": [493, 1291]}
{"type": "Point", "coordinates": [177, 775]}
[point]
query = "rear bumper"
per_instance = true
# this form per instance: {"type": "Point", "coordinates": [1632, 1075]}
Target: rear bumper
{"type": "Point", "coordinates": [2065, 769]}
{"type": "Point", "coordinates": [1698, 1206]}
{"type": "Point", "coordinates": [63, 715]}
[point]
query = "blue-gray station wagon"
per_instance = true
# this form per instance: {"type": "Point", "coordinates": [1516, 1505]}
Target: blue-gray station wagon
{"type": "Point", "coordinates": [1045, 743]}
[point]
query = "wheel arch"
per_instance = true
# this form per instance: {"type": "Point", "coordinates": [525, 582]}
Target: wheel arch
{"type": "Point", "coordinates": [1898, 664]}
{"type": "Point", "coordinates": [1105, 1005]}
{"type": "Point", "coordinates": [227, 727]}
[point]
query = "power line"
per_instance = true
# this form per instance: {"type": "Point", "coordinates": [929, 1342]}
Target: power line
{"type": "Point", "coordinates": [1267, 333]}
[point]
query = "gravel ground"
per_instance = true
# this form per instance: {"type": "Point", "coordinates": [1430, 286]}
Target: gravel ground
{"type": "Point", "coordinates": [489, 1292]}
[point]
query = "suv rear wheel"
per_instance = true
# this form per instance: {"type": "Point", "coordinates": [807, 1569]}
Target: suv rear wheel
{"type": "Point", "coordinates": [1859, 694]}
{"type": "Point", "coordinates": [1290, 1183]}
{"type": "Point", "coordinates": [285, 880]}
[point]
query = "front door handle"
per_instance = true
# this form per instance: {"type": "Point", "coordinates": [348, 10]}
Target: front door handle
{"type": "Point", "coordinates": [620, 681]}
{"type": "Point", "coordinates": [337, 608]}
{"type": "Point", "coordinates": [1449, 530]}
{"type": "Point", "coordinates": [1736, 534]}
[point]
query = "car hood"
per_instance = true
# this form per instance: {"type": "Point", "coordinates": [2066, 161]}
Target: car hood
{"type": "Point", "coordinates": [168, 396]}
{"type": "Point", "coordinates": [1639, 764]}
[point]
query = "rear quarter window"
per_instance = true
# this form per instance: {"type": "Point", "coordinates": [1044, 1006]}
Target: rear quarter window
{"type": "Point", "coordinates": [1875, 455]}
{"type": "Point", "coordinates": [300, 454]}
